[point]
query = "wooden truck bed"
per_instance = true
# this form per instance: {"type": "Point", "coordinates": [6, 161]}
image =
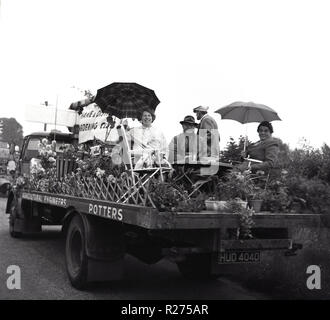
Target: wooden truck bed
{"type": "Point", "coordinates": [151, 218]}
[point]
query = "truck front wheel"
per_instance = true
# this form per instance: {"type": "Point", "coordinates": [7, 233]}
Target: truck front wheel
{"type": "Point", "coordinates": [75, 253]}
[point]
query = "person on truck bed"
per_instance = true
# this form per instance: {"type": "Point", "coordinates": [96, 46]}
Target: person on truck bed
{"type": "Point", "coordinates": [208, 135]}
{"type": "Point", "coordinates": [183, 147]}
{"type": "Point", "coordinates": [146, 139]}
{"type": "Point", "coordinates": [265, 150]}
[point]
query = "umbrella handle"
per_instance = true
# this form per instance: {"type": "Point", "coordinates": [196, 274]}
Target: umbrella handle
{"type": "Point", "coordinates": [245, 144]}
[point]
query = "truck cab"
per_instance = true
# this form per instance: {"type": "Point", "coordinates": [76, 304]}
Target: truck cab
{"type": "Point", "coordinates": [29, 149]}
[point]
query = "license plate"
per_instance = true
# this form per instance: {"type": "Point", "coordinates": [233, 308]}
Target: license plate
{"type": "Point", "coordinates": [228, 257]}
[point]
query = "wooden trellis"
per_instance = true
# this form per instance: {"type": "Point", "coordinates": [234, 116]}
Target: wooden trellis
{"type": "Point", "coordinates": [120, 190]}
{"type": "Point", "coordinates": [131, 187]}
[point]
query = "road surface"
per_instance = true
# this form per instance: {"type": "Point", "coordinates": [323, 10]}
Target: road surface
{"type": "Point", "coordinates": [43, 275]}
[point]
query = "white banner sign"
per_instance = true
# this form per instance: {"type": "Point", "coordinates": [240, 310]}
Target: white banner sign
{"type": "Point", "coordinates": [93, 124]}
{"type": "Point", "coordinates": [50, 115]}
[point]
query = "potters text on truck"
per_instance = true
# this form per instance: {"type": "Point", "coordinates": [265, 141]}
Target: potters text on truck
{"type": "Point", "coordinates": [105, 211]}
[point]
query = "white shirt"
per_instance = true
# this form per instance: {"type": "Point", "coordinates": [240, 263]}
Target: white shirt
{"type": "Point", "coordinates": [148, 138]}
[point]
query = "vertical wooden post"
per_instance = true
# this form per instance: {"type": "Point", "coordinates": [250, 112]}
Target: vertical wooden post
{"type": "Point", "coordinates": [45, 124]}
{"type": "Point", "coordinates": [75, 136]}
{"type": "Point", "coordinates": [127, 149]}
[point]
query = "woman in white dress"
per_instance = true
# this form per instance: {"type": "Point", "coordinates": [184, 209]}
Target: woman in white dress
{"type": "Point", "coordinates": [147, 141]}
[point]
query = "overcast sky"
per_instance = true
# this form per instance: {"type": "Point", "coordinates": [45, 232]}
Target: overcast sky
{"type": "Point", "coordinates": [191, 53]}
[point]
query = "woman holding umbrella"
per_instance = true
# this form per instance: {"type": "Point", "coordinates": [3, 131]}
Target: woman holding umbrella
{"type": "Point", "coordinates": [146, 139]}
{"type": "Point", "coordinates": [132, 100]}
{"type": "Point", "coordinates": [265, 151]}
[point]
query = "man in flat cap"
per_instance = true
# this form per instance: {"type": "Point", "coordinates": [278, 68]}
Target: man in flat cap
{"type": "Point", "coordinates": [183, 147]}
{"type": "Point", "coordinates": [208, 135]}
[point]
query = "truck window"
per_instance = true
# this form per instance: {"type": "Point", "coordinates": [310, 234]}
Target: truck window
{"type": "Point", "coordinates": [32, 150]}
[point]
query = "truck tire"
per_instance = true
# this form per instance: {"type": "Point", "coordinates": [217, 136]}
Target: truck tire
{"type": "Point", "coordinates": [12, 219]}
{"type": "Point", "coordinates": [75, 253]}
{"type": "Point", "coordinates": [197, 267]}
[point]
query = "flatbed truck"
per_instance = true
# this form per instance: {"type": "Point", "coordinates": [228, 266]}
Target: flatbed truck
{"type": "Point", "coordinates": [99, 233]}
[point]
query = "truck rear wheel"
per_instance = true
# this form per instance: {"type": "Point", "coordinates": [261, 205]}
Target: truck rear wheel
{"type": "Point", "coordinates": [197, 267]}
{"type": "Point", "coordinates": [12, 219]}
{"type": "Point", "coordinates": [75, 253]}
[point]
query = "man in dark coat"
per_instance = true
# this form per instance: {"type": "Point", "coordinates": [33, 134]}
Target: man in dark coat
{"type": "Point", "coordinates": [183, 147]}
{"type": "Point", "coordinates": [208, 135]}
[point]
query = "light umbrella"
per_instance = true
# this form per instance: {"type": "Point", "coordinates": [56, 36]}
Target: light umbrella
{"type": "Point", "coordinates": [247, 112]}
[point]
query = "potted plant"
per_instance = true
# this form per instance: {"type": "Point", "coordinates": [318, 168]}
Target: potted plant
{"type": "Point", "coordinates": [257, 198]}
{"type": "Point", "coordinates": [215, 205]}
{"type": "Point", "coordinates": [234, 185]}
{"type": "Point", "coordinates": [217, 200]}
{"type": "Point", "coordinates": [171, 198]}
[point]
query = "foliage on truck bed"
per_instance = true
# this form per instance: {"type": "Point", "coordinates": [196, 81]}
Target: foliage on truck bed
{"type": "Point", "coordinates": [101, 178]}
{"type": "Point", "coordinates": [300, 182]}
{"type": "Point", "coordinates": [292, 187]}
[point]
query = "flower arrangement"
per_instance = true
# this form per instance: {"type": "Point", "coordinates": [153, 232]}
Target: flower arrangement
{"type": "Point", "coordinates": [67, 150]}
{"type": "Point", "coordinates": [44, 178]}
{"type": "Point", "coordinates": [47, 153]}
{"type": "Point", "coordinates": [235, 184]}
{"type": "Point", "coordinates": [100, 167]}
{"type": "Point", "coordinates": [43, 169]}
{"type": "Point", "coordinates": [170, 197]}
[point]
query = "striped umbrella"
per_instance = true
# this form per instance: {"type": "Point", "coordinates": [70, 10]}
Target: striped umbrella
{"type": "Point", "coordinates": [125, 99]}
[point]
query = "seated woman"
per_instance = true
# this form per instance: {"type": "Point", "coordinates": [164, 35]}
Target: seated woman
{"type": "Point", "coordinates": [146, 141]}
{"type": "Point", "coordinates": [265, 150]}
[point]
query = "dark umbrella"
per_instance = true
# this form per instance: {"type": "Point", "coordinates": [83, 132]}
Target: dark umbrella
{"type": "Point", "coordinates": [125, 99]}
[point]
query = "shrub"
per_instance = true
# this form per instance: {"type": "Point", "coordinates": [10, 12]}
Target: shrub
{"type": "Point", "coordinates": [325, 167]}
{"type": "Point", "coordinates": [309, 162]}
{"type": "Point", "coordinates": [315, 192]}
{"type": "Point", "coordinates": [277, 198]}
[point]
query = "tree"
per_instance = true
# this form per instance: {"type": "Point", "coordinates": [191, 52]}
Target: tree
{"type": "Point", "coordinates": [11, 131]}
{"type": "Point", "coordinates": [233, 150]}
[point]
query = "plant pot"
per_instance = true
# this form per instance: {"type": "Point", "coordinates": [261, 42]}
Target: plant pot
{"type": "Point", "coordinates": [216, 205]}
{"type": "Point", "coordinates": [211, 205]}
{"type": "Point", "coordinates": [256, 205]}
{"type": "Point", "coordinates": [242, 203]}
{"type": "Point", "coordinates": [222, 206]}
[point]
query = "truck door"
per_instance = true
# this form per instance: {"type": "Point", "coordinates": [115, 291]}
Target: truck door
{"type": "Point", "coordinates": [29, 151]}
